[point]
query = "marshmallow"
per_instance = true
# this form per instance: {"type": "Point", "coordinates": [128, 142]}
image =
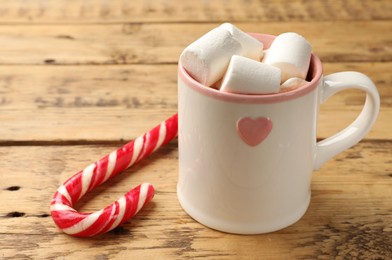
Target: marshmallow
{"type": "Point", "coordinates": [247, 76]}
{"type": "Point", "coordinates": [291, 84]}
{"type": "Point", "coordinates": [291, 53]}
{"type": "Point", "coordinates": [251, 48]}
{"type": "Point", "coordinates": [207, 58]}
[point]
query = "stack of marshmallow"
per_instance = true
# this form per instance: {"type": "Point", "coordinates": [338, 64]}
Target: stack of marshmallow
{"type": "Point", "coordinates": [228, 59]}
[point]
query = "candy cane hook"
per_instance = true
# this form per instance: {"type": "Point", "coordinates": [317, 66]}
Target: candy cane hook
{"type": "Point", "coordinates": [89, 224]}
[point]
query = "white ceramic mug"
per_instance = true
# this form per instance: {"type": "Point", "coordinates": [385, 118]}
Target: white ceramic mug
{"type": "Point", "coordinates": [245, 161]}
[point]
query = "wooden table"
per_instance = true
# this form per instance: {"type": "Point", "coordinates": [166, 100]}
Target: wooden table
{"type": "Point", "coordinates": [80, 78]}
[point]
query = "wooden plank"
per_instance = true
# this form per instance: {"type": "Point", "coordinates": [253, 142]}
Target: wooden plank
{"type": "Point", "coordinates": [163, 43]}
{"type": "Point", "coordinates": [113, 103]}
{"type": "Point", "coordinates": [125, 101]}
{"type": "Point", "coordinates": [90, 11]}
{"type": "Point", "coordinates": [350, 214]}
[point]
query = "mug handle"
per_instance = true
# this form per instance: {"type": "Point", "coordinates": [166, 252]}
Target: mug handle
{"type": "Point", "coordinates": [352, 134]}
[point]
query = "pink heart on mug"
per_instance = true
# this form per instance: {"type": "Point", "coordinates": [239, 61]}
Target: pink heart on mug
{"type": "Point", "coordinates": [254, 131]}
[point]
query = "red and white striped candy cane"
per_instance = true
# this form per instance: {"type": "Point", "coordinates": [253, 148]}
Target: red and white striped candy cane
{"type": "Point", "coordinates": [86, 225]}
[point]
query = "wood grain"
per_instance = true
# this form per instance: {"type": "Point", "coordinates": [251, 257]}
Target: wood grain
{"type": "Point", "coordinates": [162, 43]}
{"type": "Point", "coordinates": [79, 78]}
{"type": "Point", "coordinates": [113, 103]}
{"type": "Point", "coordinates": [350, 214]}
{"type": "Point", "coordinates": [115, 11]}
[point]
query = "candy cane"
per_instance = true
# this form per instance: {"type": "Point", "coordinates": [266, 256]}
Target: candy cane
{"type": "Point", "coordinates": [89, 224]}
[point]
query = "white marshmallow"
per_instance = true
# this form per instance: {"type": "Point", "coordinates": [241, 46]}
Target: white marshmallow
{"type": "Point", "coordinates": [251, 48]}
{"type": "Point", "coordinates": [247, 76]}
{"type": "Point", "coordinates": [291, 53]}
{"type": "Point", "coordinates": [207, 58]}
{"type": "Point", "coordinates": [292, 83]}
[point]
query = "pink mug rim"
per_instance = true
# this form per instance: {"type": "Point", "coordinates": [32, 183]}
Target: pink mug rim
{"type": "Point", "coordinates": [315, 72]}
